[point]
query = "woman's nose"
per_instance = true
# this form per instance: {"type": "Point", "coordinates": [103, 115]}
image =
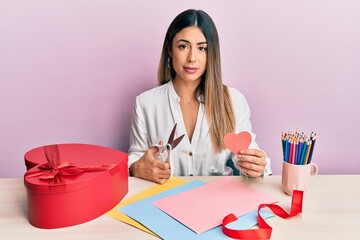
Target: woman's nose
{"type": "Point", "coordinates": [192, 56]}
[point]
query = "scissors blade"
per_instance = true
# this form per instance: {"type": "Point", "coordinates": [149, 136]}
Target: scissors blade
{"type": "Point", "coordinates": [177, 141]}
{"type": "Point", "coordinates": [172, 135]}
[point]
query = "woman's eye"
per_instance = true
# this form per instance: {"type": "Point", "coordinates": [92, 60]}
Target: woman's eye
{"type": "Point", "coordinates": [183, 47]}
{"type": "Point", "coordinates": [202, 49]}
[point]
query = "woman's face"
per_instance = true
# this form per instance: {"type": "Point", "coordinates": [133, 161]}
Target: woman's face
{"type": "Point", "coordinates": [189, 54]}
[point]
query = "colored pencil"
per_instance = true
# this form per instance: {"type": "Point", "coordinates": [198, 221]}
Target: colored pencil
{"type": "Point", "coordinates": [292, 150]}
{"type": "Point", "coordinates": [303, 155]}
{"type": "Point", "coordinates": [300, 146]}
{"type": "Point", "coordinates": [296, 152]}
{"type": "Point", "coordinates": [297, 148]}
{"type": "Point", "coordinates": [283, 141]}
{"type": "Point", "coordinates": [312, 148]}
{"type": "Point", "coordinates": [308, 152]}
{"type": "Point", "coordinates": [287, 150]}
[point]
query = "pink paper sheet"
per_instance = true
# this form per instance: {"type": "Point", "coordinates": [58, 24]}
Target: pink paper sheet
{"type": "Point", "coordinates": [204, 207]}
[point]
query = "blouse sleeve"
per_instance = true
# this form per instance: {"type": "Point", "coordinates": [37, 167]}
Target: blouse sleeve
{"type": "Point", "coordinates": [242, 115]}
{"type": "Point", "coordinates": [138, 134]}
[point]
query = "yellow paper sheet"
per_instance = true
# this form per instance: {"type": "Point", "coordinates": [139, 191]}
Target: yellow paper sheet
{"type": "Point", "coordinates": [114, 213]}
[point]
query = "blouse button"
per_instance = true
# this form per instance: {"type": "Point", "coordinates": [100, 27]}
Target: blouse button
{"type": "Point", "coordinates": [190, 154]}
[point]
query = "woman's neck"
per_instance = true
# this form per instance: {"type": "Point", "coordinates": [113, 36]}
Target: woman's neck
{"type": "Point", "coordinates": [186, 90]}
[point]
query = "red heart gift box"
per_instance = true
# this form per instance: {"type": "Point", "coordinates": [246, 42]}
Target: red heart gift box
{"type": "Point", "coordinates": [69, 184]}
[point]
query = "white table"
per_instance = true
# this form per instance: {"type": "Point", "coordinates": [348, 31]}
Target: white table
{"type": "Point", "coordinates": [331, 210]}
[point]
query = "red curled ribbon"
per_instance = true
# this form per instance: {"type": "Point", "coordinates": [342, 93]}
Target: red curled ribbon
{"type": "Point", "coordinates": [264, 231]}
{"type": "Point", "coordinates": [54, 168]}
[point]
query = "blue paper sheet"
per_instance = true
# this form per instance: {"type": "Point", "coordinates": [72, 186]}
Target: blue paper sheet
{"type": "Point", "coordinates": [168, 228]}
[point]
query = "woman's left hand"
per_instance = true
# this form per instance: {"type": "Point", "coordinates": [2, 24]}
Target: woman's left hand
{"type": "Point", "coordinates": [252, 162]}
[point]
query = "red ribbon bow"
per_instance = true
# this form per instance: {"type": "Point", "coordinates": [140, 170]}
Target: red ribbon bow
{"type": "Point", "coordinates": [54, 168]}
{"type": "Point", "coordinates": [264, 231]}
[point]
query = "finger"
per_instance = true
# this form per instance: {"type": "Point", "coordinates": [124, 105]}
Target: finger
{"type": "Point", "coordinates": [161, 173]}
{"type": "Point", "coordinates": [153, 150]}
{"type": "Point", "coordinates": [161, 165]}
{"type": "Point", "coordinates": [251, 167]}
{"type": "Point", "coordinates": [252, 170]}
{"type": "Point", "coordinates": [164, 176]}
{"type": "Point", "coordinates": [252, 159]}
{"type": "Point", "coordinates": [251, 173]}
{"type": "Point", "coordinates": [253, 152]}
{"type": "Point", "coordinates": [161, 180]}
{"type": "Point", "coordinates": [162, 170]}
{"type": "Point", "coordinates": [249, 157]}
{"type": "Point", "coordinates": [161, 177]}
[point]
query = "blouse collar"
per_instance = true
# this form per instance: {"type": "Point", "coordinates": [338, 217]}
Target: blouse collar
{"type": "Point", "coordinates": [176, 97]}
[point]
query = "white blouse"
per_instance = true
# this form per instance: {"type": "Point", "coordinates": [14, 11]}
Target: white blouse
{"type": "Point", "coordinates": [154, 115]}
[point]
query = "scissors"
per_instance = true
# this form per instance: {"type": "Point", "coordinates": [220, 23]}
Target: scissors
{"type": "Point", "coordinates": [164, 153]}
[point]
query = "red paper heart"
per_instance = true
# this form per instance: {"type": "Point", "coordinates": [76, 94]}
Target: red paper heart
{"type": "Point", "coordinates": [236, 142]}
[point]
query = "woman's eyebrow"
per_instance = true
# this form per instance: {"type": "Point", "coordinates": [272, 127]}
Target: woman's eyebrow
{"type": "Point", "coordinates": [183, 40]}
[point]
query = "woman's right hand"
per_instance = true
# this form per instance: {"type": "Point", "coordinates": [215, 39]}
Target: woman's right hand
{"type": "Point", "coordinates": [150, 168]}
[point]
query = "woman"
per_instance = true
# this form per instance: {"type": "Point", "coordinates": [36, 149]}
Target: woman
{"type": "Point", "coordinates": [191, 94]}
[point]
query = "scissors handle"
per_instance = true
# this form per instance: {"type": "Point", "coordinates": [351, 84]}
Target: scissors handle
{"type": "Point", "coordinates": [164, 154]}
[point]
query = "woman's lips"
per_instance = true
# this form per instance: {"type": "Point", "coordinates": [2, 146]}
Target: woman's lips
{"type": "Point", "coordinates": [190, 69]}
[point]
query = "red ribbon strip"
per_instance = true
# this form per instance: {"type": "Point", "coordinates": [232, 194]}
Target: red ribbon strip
{"type": "Point", "coordinates": [54, 168]}
{"type": "Point", "coordinates": [264, 231]}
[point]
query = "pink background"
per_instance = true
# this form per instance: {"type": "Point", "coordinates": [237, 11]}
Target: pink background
{"type": "Point", "coordinates": [70, 70]}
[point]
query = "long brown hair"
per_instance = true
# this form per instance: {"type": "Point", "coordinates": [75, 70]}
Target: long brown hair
{"type": "Point", "coordinates": [217, 100]}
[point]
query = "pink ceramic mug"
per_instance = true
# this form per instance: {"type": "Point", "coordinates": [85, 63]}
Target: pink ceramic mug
{"type": "Point", "coordinates": [297, 177]}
